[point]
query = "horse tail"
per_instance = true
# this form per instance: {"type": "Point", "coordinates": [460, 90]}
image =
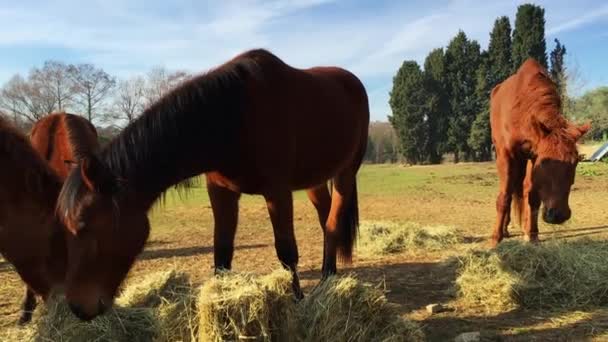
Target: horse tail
{"type": "Point", "coordinates": [517, 205]}
{"type": "Point", "coordinates": [349, 227]}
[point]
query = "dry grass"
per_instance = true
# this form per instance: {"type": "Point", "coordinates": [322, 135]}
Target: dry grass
{"type": "Point", "coordinates": [553, 275]}
{"type": "Point", "coordinates": [382, 237]}
{"type": "Point", "coordinates": [345, 309]}
{"type": "Point", "coordinates": [157, 308]}
{"type": "Point", "coordinates": [244, 307]}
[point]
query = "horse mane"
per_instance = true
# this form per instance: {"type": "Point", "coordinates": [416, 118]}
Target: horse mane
{"type": "Point", "coordinates": [35, 174]}
{"type": "Point", "coordinates": [541, 101]}
{"type": "Point", "coordinates": [203, 111]}
{"type": "Point", "coordinates": [81, 143]}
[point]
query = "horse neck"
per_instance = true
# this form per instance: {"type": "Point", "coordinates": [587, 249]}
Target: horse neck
{"type": "Point", "coordinates": [151, 157]}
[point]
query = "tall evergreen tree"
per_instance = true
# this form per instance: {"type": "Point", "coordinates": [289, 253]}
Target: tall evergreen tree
{"type": "Point", "coordinates": [438, 105]}
{"type": "Point", "coordinates": [480, 137]}
{"type": "Point", "coordinates": [529, 35]}
{"type": "Point", "coordinates": [462, 58]}
{"type": "Point", "coordinates": [558, 69]}
{"type": "Point", "coordinates": [408, 104]}
{"type": "Point", "coordinates": [499, 52]}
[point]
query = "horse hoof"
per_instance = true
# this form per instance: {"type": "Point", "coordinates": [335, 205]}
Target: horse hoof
{"type": "Point", "coordinates": [533, 240]}
{"type": "Point", "coordinates": [493, 243]}
{"type": "Point", "coordinates": [25, 318]}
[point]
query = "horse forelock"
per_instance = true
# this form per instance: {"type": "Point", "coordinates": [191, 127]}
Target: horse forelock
{"type": "Point", "coordinates": [69, 197]}
{"type": "Point", "coordinates": [558, 145]}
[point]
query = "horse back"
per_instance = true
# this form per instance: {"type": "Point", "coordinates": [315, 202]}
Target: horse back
{"type": "Point", "coordinates": [300, 126]}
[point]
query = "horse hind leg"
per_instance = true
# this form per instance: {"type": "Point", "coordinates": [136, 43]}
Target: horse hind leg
{"type": "Point", "coordinates": [319, 196]}
{"type": "Point", "coordinates": [280, 209]}
{"type": "Point", "coordinates": [342, 222]}
{"type": "Point", "coordinates": [28, 306]}
{"type": "Point", "coordinates": [225, 206]}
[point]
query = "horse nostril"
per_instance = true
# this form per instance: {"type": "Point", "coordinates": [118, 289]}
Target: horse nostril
{"type": "Point", "coordinates": [550, 214]}
{"type": "Point", "coordinates": [78, 312]}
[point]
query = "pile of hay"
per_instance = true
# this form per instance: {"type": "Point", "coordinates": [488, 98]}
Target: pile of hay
{"type": "Point", "coordinates": [344, 309]}
{"type": "Point", "coordinates": [229, 307]}
{"type": "Point", "coordinates": [244, 307]}
{"type": "Point", "coordinates": [159, 308]}
{"type": "Point", "coordinates": [236, 306]}
{"type": "Point", "coordinates": [552, 275]}
{"type": "Point", "coordinates": [381, 238]}
{"type": "Point", "coordinates": [171, 295]}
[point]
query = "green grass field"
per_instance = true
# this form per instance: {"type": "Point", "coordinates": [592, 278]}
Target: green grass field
{"type": "Point", "coordinates": [461, 196]}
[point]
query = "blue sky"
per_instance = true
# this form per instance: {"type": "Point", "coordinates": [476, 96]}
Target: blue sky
{"type": "Point", "coordinates": [371, 38]}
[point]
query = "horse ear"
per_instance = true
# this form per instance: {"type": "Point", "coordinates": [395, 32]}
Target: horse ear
{"type": "Point", "coordinates": [581, 130]}
{"type": "Point", "coordinates": [96, 175]}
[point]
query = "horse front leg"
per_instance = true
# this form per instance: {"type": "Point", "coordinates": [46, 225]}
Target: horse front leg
{"type": "Point", "coordinates": [507, 170]}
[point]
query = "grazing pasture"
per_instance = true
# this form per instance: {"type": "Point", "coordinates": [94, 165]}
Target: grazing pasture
{"type": "Point", "coordinates": [460, 196]}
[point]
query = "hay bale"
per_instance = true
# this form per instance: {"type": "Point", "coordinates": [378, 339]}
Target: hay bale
{"type": "Point", "coordinates": [171, 295]}
{"type": "Point", "coordinates": [236, 306]}
{"type": "Point", "coordinates": [381, 238]}
{"type": "Point", "coordinates": [58, 323]}
{"type": "Point", "coordinates": [17, 333]}
{"type": "Point", "coordinates": [155, 288]}
{"type": "Point", "coordinates": [344, 309]}
{"type": "Point", "coordinates": [158, 308]}
{"type": "Point", "coordinates": [553, 275]}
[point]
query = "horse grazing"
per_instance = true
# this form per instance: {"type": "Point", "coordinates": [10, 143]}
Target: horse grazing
{"type": "Point", "coordinates": [253, 125]}
{"type": "Point", "coordinates": [536, 153]}
{"type": "Point", "coordinates": [31, 237]}
{"type": "Point", "coordinates": [60, 139]}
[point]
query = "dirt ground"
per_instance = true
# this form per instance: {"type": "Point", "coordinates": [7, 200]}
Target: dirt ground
{"type": "Point", "coordinates": [460, 195]}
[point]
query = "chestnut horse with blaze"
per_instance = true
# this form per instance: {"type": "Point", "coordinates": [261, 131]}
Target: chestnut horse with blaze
{"type": "Point", "coordinates": [253, 125]}
{"type": "Point", "coordinates": [31, 237]}
{"type": "Point", "coordinates": [536, 154]}
{"type": "Point", "coordinates": [60, 139]}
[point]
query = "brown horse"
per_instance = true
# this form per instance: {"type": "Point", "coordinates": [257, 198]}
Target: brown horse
{"type": "Point", "coordinates": [31, 238]}
{"type": "Point", "coordinates": [254, 125]}
{"type": "Point", "coordinates": [60, 139]}
{"type": "Point", "coordinates": [536, 153]}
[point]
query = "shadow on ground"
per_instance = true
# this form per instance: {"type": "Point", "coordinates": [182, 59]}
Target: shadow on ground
{"type": "Point", "coordinates": [182, 252]}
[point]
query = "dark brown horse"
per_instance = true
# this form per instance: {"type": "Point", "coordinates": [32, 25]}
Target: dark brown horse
{"type": "Point", "coordinates": [253, 125]}
{"type": "Point", "coordinates": [536, 153]}
{"type": "Point", "coordinates": [60, 139]}
{"type": "Point", "coordinates": [31, 238]}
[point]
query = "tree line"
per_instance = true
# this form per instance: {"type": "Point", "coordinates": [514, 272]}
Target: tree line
{"type": "Point", "coordinates": [84, 89]}
{"type": "Point", "coordinates": [443, 107]}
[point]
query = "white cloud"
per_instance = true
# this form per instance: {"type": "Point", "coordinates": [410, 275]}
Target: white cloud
{"type": "Point", "coordinates": [584, 19]}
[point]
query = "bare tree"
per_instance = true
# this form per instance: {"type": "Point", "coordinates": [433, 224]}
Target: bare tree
{"type": "Point", "coordinates": [55, 78]}
{"type": "Point", "coordinates": [92, 87]}
{"type": "Point", "coordinates": [29, 99]}
{"type": "Point", "coordinates": [160, 81]}
{"type": "Point", "coordinates": [129, 99]}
